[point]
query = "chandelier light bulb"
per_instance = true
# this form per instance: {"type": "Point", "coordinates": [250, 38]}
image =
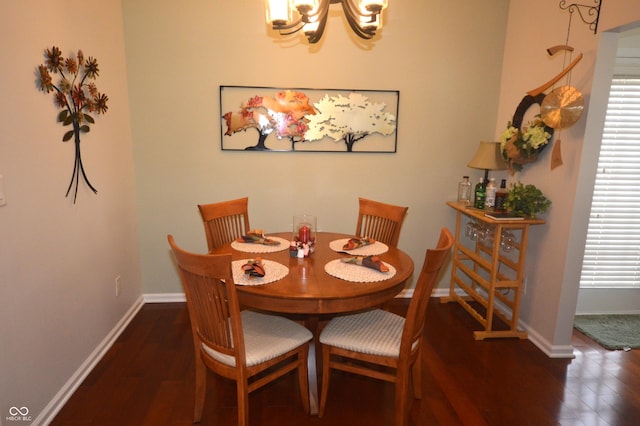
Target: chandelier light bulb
{"type": "Point", "coordinates": [278, 12]}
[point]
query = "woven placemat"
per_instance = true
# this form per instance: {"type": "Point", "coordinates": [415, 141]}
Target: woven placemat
{"type": "Point", "coordinates": [357, 273]}
{"type": "Point", "coordinates": [261, 248]}
{"type": "Point", "coordinates": [273, 271]}
{"type": "Point", "coordinates": [368, 250]}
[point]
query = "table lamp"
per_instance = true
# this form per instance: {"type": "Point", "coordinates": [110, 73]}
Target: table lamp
{"type": "Point", "coordinates": [488, 157]}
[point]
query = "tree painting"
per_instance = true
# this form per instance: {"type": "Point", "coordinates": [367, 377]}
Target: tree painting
{"type": "Point", "coordinates": [348, 119]}
{"type": "Point", "coordinates": [286, 113]}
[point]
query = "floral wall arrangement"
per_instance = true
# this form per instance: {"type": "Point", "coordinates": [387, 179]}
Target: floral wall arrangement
{"type": "Point", "coordinates": [76, 95]}
{"type": "Point", "coordinates": [522, 146]}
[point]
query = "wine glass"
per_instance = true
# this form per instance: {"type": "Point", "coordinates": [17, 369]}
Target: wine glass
{"type": "Point", "coordinates": [507, 241]}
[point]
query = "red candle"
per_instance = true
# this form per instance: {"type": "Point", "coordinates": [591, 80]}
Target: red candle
{"type": "Point", "coordinates": [304, 233]}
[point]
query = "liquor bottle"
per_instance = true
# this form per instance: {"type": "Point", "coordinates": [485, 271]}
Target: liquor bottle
{"type": "Point", "coordinates": [501, 196]}
{"type": "Point", "coordinates": [480, 194]}
{"type": "Point", "coordinates": [490, 195]}
{"type": "Point", "coordinates": [464, 191]}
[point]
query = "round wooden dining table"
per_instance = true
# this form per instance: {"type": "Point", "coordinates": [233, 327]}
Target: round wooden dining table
{"type": "Point", "coordinates": [309, 290]}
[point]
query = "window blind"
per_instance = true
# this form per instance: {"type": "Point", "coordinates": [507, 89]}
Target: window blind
{"type": "Point", "coordinates": [612, 251]}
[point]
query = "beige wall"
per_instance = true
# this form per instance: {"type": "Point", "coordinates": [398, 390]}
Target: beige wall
{"type": "Point", "coordinates": [58, 261]}
{"type": "Point", "coordinates": [444, 58]}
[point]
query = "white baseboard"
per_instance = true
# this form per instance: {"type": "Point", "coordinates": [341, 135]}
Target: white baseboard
{"type": "Point", "coordinates": [164, 297]}
{"type": "Point", "coordinates": [552, 351]}
{"type": "Point", "coordinates": [407, 293]}
{"type": "Point", "coordinates": [49, 412]}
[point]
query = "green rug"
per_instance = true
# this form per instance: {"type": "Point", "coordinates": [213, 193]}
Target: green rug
{"type": "Point", "coordinates": [611, 331]}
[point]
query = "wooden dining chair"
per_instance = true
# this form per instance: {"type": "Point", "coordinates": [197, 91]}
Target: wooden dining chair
{"type": "Point", "coordinates": [224, 221]}
{"type": "Point", "coordinates": [380, 221]}
{"type": "Point", "coordinates": [381, 344]}
{"type": "Point", "coordinates": [246, 346]}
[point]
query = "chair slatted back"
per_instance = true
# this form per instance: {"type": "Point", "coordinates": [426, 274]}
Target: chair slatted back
{"type": "Point", "coordinates": [417, 312]}
{"type": "Point", "coordinates": [212, 302]}
{"type": "Point", "coordinates": [225, 221]}
{"type": "Point", "coordinates": [380, 221]}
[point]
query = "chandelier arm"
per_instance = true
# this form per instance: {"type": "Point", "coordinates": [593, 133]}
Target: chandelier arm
{"type": "Point", "coordinates": [323, 11]}
{"type": "Point", "coordinates": [354, 15]}
{"type": "Point", "coordinates": [354, 11]}
{"type": "Point", "coordinates": [351, 9]}
{"type": "Point", "coordinates": [295, 25]}
{"type": "Point", "coordinates": [315, 36]}
{"type": "Point", "coordinates": [293, 31]}
{"type": "Point", "coordinates": [365, 34]}
{"type": "Point", "coordinates": [322, 15]}
{"type": "Point", "coordinates": [323, 8]}
{"type": "Point", "coordinates": [353, 18]}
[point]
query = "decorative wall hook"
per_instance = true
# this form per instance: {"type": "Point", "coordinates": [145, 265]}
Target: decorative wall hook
{"type": "Point", "coordinates": [590, 14]}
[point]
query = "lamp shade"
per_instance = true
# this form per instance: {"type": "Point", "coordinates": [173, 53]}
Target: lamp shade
{"type": "Point", "coordinates": [488, 157]}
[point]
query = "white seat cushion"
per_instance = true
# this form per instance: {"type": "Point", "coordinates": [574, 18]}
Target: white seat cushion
{"type": "Point", "coordinates": [375, 332]}
{"type": "Point", "coordinates": [265, 337]}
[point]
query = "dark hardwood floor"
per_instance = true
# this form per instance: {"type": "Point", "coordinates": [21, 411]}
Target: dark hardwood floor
{"type": "Point", "coordinates": [147, 378]}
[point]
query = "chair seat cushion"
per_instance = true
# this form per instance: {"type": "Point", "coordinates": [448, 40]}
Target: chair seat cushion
{"type": "Point", "coordinates": [265, 337]}
{"type": "Point", "coordinates": [375, 332]}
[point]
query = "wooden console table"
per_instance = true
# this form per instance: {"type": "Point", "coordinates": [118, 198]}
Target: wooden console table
{"type": "Point", "coordinates": [487, 271]}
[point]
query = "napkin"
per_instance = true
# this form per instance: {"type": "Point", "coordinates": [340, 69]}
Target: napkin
{"type": "Point", "coordinates": [372, 262]}
{"type": "Point", "coordinates": [257, 237]}
{"type": "Point", "coordinates": [356, 242]}
{"type": "Point", "coordinates": [254, 268]}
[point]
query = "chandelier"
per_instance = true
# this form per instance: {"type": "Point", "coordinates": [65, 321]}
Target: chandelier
{"type": "Point", "coordinates": [290, 16]}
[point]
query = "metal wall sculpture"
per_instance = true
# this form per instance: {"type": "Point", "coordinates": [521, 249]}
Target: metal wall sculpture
{"type": "Point", "coordinates": [274, 119]}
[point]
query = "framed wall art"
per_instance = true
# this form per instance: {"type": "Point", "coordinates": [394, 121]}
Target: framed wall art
{"type": "Point", "coordinates": [304, 120]}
